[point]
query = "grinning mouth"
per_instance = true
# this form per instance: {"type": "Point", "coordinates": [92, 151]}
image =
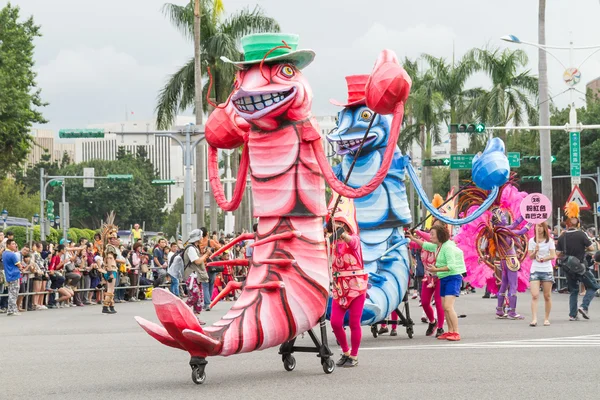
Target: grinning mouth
{"type": "Point", "coordinates": [347, 146]}
{"type": "Point", "coordinates": [259, 102]}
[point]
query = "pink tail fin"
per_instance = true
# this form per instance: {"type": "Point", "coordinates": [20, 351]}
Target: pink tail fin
{"type": "Point", "coordinates": [201, 340]}
{"type": "Point", "coordinates": [158, 332]}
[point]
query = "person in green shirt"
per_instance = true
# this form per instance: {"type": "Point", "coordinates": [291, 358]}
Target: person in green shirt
{"type": "Point", "coordinates": [449, 267]}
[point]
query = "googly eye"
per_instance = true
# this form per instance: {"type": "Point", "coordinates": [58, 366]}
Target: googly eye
{"type": "Point", "coordinates": [366, 115]}
{"type": "Point", "coordinates": [288, 71]}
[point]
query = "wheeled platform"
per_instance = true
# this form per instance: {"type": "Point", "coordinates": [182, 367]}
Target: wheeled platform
{"type": "Point", "coordinates": [404, 319]}
{"type": "Point", "coordinates": [321, 348]}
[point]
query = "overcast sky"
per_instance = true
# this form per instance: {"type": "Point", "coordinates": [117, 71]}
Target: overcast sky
{"type": "Point", "coordinates": [99, 59]}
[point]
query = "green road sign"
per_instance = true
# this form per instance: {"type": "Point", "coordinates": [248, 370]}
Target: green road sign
{"type": "Point", "coordinates": [165, 182]}
{"type": "Point", "coordinates": [575, 150]}
{"type": "Point", "coordinates": [120, 177]}
{"type": "Point", "coordinates": [80, 133]}
{"type": "Point", "coordinates": [514, 160]}
{"type": "Point", "coordinates": [56, 183]}
{"type": "Point", "coordinates": [461, 161]}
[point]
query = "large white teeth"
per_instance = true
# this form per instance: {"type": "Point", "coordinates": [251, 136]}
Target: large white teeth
{"type": "Point", "coordinates": [259, 102]}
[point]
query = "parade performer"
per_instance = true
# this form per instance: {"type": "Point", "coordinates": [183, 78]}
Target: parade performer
{"type": "Point", "coordinates": [495, 246]}
{"type": "Point", "coordinates": [286, 291]}
{"type": "Point", "coordinates": [349, 280]}
{"type": "Point", "coordinates": [449, 267]}
{"type": "Point", "coordinates": [111, 253]}
{"type": "Point", "coordinates": [381, 214]}
{"type": "Point", "coordinates": [112, 256]}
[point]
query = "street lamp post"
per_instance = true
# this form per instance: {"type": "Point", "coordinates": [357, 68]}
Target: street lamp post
{"type": "Point", "coordinates": [64, 211]}
{"type": "Point", "coordinates": [571, 76]}
{"type": "Point", "coordinates": [4, 217]}
{"type": "Point", "coordinates": [187, 149]}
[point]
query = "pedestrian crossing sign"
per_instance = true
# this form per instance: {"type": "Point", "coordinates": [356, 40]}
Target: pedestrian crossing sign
{"type": "Point", "coordinates": [578, 197]}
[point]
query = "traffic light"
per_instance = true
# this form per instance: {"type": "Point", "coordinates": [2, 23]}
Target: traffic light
{"type": "Point", "coordinates": [534, 178]}
{"type": "Point", "coordinates": [467, 128]}
{"type": "Point", "coordinates": [436, 162]}
{"type": "Point", "coordinates": [115, 177]}
{"type": "Point", "coordinates": [536, 159]}
{"type": "Point", "coordinates": [50, 210]}
{"type": "Point", "coordinates": [49, 207]}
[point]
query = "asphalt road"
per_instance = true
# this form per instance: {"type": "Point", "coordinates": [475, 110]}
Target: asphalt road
{"type": "Point", "coordinates": [78, 353]}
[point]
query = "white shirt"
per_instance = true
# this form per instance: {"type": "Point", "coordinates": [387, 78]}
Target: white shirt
{"type": "Point", "coordinates": [192, 253]}
{"type": "Point", "coordinates": [544, 251]}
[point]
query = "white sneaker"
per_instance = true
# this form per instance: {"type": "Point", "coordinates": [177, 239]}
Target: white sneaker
{"type": "Point", "coordinates": [43, 308]}
{"type": "Point", "coordinates": [414, 296]}
{"type": "Point", "coordinates": [15, 314]}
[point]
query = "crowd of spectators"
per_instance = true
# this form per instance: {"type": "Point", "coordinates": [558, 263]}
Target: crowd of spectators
{"type": "Point", "coordinates": [43, 275]}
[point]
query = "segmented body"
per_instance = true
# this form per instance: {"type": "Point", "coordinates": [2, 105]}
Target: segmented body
{"type": "Point", "coordinates": [288, 193]}
{"type": "Point", "coordinates": [381, 216]}
{"type": "Point", "coordinates": [286, 290]}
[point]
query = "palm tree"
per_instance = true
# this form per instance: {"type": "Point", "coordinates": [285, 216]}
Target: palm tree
{"type": "Point", "coordinates": [449, 80]}
{"type": "Point", "coordinates": [425, 113]}
{"type": "Point", "coordinates": [217, 38]}
{"type": "Point", "coordinates": [513, 96]}
{"type": "Point", "coordinates": [213, 37]}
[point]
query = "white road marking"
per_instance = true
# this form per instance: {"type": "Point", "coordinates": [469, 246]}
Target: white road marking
{"type": "Point", "coordinates": [572, 341]}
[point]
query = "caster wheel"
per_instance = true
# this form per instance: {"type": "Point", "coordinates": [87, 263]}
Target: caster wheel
{"type": "Point", "coordinates": [410, 332]}
{"type": "Point", "coordinates": [328, 366]}
{"type": "Point", "coordinates": [374, 331]}
{"type": "Point", "coordinates": [198, 376]}
{"type": "Point", "coordinates": [289, 362]}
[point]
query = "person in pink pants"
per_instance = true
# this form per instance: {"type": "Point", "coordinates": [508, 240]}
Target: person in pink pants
{"type": "Point", "coordinates": [427, 292]}
{"type": "Point", "coordinates": [384, 328]}
{"type": "Point", "coordinates": [349, 290]}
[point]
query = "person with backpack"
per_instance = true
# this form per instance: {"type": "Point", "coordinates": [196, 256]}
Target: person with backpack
{"type": "Point", "coordinates": [194, 270]}
{"type": "Point", "coordinates": [175, 271]}
{"type": "Point", "coordinates": [570, 249]}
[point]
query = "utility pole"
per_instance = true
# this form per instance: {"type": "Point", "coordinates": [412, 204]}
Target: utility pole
{"type": "Point", "coordinates": [42, 211]}
{"type": "Point", "coordinates": [544, 107]}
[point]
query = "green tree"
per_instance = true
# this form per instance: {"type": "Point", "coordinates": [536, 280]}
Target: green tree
{"type": "Point", "coordinates": [441, 180]}
{"type": "Point", "coordinates": [512, 98]}
{"type": "Point", "coordinates": [133, 201]}
{"type": "Point", "coordinates": [16, 200]}
{"type": "Point", "coordinates": [449, 79]}
{"type": "Point", "coordinates": [425, 110]}
{"type": "Point", "coordinates": [217, 38]}
{"type": "Point", "coordinates": [30, 177]}
{"type": "Point", "coordinates": [19, 95]}
{"type": "Point", "coordinates": [173, 218]}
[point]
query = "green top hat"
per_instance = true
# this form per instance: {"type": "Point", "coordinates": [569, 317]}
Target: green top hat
{"type": "Point", "coordinates": [257, 45]}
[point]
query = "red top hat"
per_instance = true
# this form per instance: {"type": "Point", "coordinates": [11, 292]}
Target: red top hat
{"type": "Point", "coordinates": [356, 91]}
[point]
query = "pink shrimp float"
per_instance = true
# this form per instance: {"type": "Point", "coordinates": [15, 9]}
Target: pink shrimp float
{"type": "Point", "coordinates": [287, 287]}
